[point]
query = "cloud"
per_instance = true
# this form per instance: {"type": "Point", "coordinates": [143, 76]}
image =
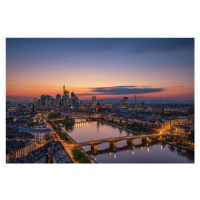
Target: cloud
{"type": "Point", "coordinates": [122, 90]}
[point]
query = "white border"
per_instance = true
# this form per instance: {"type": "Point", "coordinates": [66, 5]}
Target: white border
{"type": "Point", "coordinates": [99, 19]}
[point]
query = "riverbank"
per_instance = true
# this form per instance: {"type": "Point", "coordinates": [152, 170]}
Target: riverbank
{"type": "Point", "coordinates": [81, 149]}
{"type": "Point", "coordinates": [176, 145]}
{"type": "Point", "coordinates": [120, 127]}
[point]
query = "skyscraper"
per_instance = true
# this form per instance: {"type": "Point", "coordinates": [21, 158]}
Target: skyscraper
{"type": "Point", "coordinates": [67, 98]}
{"type": "Point", "coordinates": [73, 98]}
{"type": "Point", "coordinates": [64, 97]}
{"type": "Point", "coordinates": [34, 102]}
{"type": "Point", "coordinates": [58, 98]}
{"type": "Point", "coordinates": [42, 99]}
{"type": "Point", "coordinates": [93, 100]}
{"type": "Point", "coordinates": [101, 102]}
{"type": "Point", "coordinates": [63, 89]}
{"type": "Point", "coordinates": [125, 101]}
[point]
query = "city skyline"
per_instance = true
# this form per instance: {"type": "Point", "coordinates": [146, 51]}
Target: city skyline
{"type": "Point", "coordinates": [105, 68]}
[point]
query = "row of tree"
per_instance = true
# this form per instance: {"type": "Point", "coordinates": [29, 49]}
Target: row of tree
{"type": "Point", "coordinates": [68, 121]}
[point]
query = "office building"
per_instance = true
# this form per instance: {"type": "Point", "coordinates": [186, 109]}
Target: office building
{"type": "Point", "coordinates": [93, 101]}
{"type": "Point", "coordinates": [125, 101]}
{"type": "Point", "coordinates": [101, 102]}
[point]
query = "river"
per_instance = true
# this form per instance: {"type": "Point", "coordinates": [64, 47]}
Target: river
{"type": "Point", "coordinates": [154, 152]}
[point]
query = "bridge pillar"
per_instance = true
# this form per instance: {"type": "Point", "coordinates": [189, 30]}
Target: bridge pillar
{"type": "Point", "coordinates": [145, 141]}
{"type": "Point", "coordinates": [94, 147]}
{"type": "Point", "coordinates": [113, 144]}
{"type": "Point", "coordinates": [130, 142]}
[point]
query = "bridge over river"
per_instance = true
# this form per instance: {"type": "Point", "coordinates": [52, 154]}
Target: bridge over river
{"type": "Point", "coordinates": [113, 141]}
{"type": "Point", "coordinates": [123, 148]}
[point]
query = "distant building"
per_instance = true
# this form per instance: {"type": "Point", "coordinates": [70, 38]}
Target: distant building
{"type": "Point", "coordinates": [97, 107]}
{"type": "Point", "coordinates": [73, 99]}
{"type": "Point", "coordinates": [125, 101]}
{"type": "Point", "coordinates": [81, 104]}
{"type": "Point", "coordinates": [34, 102]}
{"type": "Point", "coordinates": [67, 98]}
{"type": "Point", "coordinates": [93, 101]}
{"type": "Point", "coordinates": [158, 109]}
{"type": "Point", "coordinates": [58, 98]}
{"type": "Point", "coordinates": [76, 101]}
{"type": "Point", "coordinates": [101, 102]}
{"type": "Point", "coordinates": [121, 103]}
{"type": "Point", "coordinates": [141, 105]}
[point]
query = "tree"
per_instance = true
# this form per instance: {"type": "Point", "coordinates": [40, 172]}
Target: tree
{"type": "Point", "coordinates": [68, 122]}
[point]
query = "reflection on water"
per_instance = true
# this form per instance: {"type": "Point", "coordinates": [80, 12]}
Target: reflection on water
{"type": "Point", "coordinates": [86, 131]}
{"type": "Point", "coordinates": [151, 152]}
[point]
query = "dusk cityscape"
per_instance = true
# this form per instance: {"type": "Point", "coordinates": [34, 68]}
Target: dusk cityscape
{"type": "Point", "coordinates": [100, 100]}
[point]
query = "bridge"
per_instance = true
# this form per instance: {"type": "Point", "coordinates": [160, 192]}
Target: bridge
{"type": "Point", "coordinates": [57, 119]}
{"type": "Point", "coordinates": [89, 118]}
{"type": "Point", "coordinates": [113, 141]}
{"type": "Point", "coordinates": [124, 148]}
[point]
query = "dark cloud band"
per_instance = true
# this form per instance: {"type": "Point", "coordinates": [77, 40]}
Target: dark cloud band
{"type": "Point", "coordinates": [122, 90]}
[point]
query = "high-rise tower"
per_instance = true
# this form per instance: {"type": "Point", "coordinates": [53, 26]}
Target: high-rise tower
{"type": "Point", "coordinates": [93, 101]}
{"type": "Point", "coordinates": [34, 102]}
{"type": "Point", "coordinates": [64, 89]}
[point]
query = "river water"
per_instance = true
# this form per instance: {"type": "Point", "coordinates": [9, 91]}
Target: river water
{"type": "Point", "coordinates": [139, 153]}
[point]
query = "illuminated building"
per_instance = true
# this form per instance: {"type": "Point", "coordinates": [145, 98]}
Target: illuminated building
{"type": "Point", "coordinates": [42, 99]}
{"type": "Point", "coordinates": [63, 89]}
{"type": "Point", "coordinates": [58, 98]}
{"type": "Point", "coordinates": [97, 107]}
{"type": "Point", "coordinates": [76, 101]}
{"type": "Point", "coordinates": [39, 102]}
{"type": "Point", "coordinates": [94, 101]}
{"type": "Point", "coordinates": [101, 102]}
{"type": "Point", "coordinates": [34, 102]}
{"type": "Point", "coordinates": [67, 98]}
{"type": "Point", "coordinates": [125, 101]}
{"type": "Point", "coordinates": [73, 99]}
{"type": "Point", "coordinates": [81, 104]}
{"type": "Point", "coordinates": [121, 103]}
{"type": "Point", "coordinates": [40, 134]}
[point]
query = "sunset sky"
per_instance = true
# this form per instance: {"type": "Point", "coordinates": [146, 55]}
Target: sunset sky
{"type": "Point", "coordinates": [108, 68]}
